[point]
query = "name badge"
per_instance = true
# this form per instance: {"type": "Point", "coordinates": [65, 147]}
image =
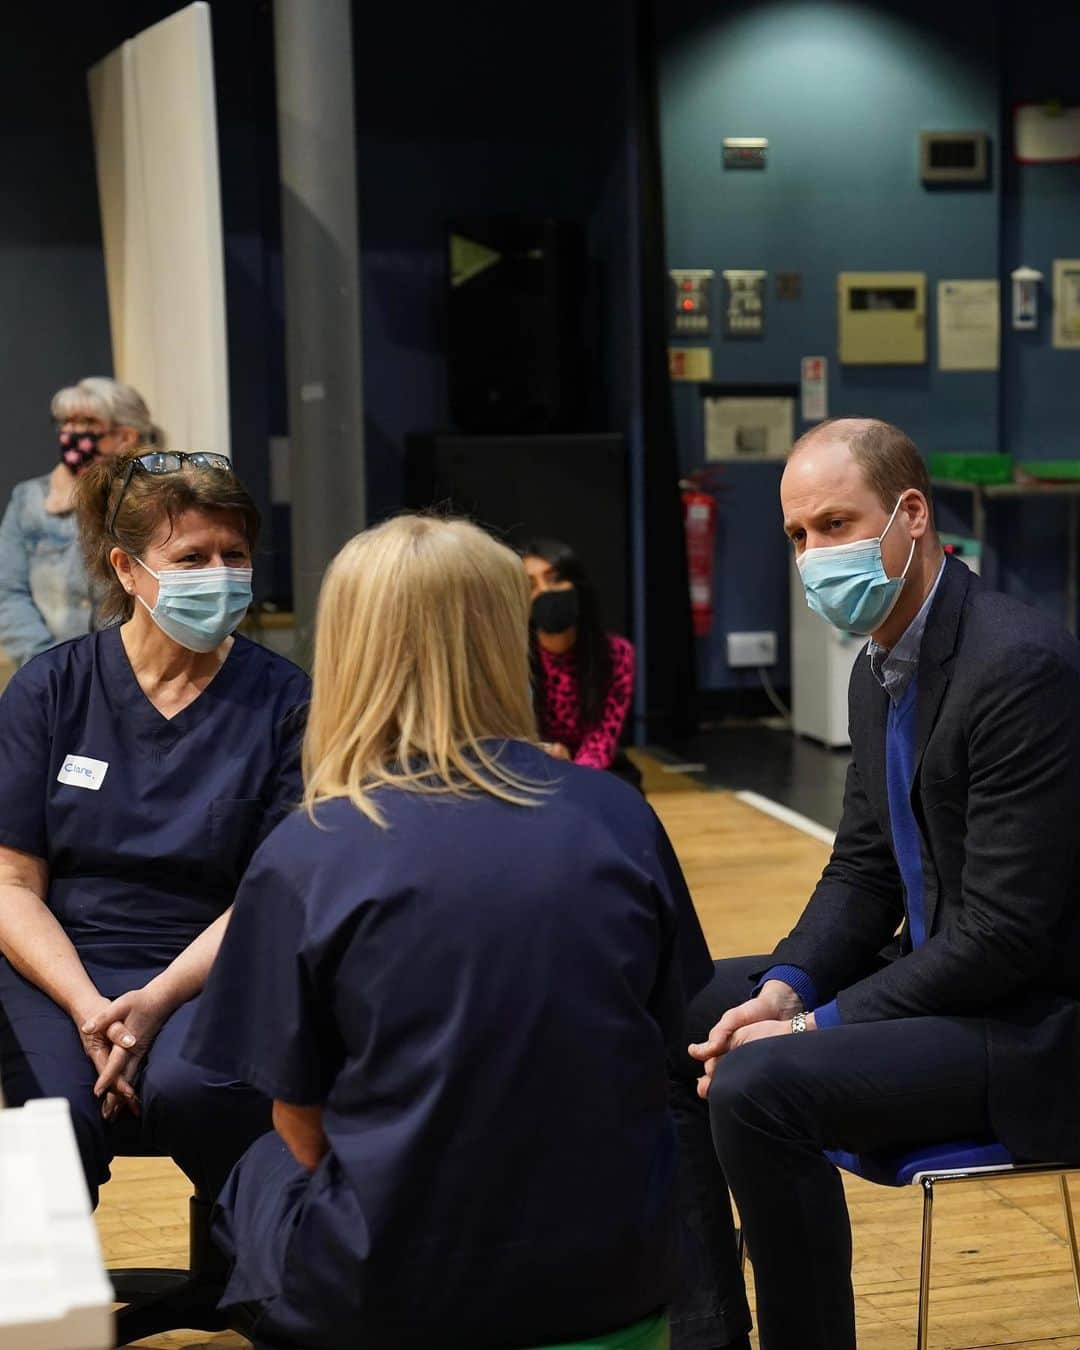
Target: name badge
{"type": "Point", "coordinates": [79, 771]}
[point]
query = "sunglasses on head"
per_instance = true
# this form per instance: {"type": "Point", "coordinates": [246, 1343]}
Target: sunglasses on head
{"type": "Point", "coordinates": [165, 461]}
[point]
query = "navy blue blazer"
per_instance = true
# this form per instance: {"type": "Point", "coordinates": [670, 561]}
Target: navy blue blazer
{"type": "Point", "coordinates": [996, 796]}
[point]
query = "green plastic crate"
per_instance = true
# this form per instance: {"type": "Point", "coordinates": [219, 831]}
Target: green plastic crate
{"type": "Point", "coordinates": [966, 468]}
{"type": "Point", "coordinates": [1050, 468]}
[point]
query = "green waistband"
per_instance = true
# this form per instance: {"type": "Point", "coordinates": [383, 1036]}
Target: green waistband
{"type": "Point", "coordinates": [650, 1334]}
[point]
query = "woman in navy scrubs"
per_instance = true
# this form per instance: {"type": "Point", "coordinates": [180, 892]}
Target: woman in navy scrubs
{"type": "Point", "coordinates": [139, 768]}
{"type": "Point", "coordinates": [459, 974]}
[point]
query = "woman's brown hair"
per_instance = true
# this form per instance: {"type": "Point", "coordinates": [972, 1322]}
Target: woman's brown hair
{"type": "Point", "coordinates": [149, 500]}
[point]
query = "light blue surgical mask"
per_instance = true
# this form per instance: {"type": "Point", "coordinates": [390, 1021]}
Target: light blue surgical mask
{"type": "Point", "coordinates": [200, 607]}
{"type": "Point", "coordinates": [847, 583]}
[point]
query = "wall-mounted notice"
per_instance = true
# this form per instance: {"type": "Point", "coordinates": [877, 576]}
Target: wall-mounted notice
{"type": "Point", "coordinates": [815, 389]}
{"type": "Point", "coordinates": [748, 428]}
{"type": "Point", "coordinates": [969, 325]}
{"type": "Point", "coordinates": [690, 363]}
{"type": "Point", "coordinates": [1067, 302]}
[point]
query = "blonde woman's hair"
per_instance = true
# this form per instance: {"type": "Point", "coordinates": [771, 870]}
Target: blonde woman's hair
{"type": "Point", "coordinates": [421, 655]}
{"type": "Point", "coordinates": [116, 404]}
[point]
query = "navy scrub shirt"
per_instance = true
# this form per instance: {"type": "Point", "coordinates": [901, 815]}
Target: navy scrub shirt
{"type": "Point", "coordinates": [146, 823]}
{"type": "Point", "coordinates": [483, 998]}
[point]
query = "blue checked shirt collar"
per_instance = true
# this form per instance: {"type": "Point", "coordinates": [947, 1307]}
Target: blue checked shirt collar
{"type": "Point", "coordinates": [894, 667]}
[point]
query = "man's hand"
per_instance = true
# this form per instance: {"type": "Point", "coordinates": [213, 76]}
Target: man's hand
{"type": "Point", "coordinates": [556, 750]}
{"type": "Point", "coordinates": [125, 1030]}
{"type": "Point", "coordinates": [767, 1014]}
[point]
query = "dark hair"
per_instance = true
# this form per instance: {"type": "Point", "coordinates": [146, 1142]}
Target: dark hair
{"type": "Point", "coordinates": [149, 500]}
{"type": "Point", "coordinates": [591, 649]}
{"type": "Point", "coordinates": [888, 457]}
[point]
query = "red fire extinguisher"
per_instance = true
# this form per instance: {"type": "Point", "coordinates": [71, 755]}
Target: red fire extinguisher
{"type": "Point", "coordinates": [699, 491]}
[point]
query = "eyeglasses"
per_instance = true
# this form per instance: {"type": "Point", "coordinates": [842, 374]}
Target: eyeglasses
{"type": "Point", "coordinates": [164, 461]}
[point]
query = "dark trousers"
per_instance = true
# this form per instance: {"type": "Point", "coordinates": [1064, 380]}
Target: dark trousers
{"type": "Point", "coordinates": [775, 1105]}
{"type": "Point", "coordinates": [200, 1120]}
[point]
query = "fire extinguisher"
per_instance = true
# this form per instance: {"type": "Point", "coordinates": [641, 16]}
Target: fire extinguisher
{"type": "Point", "coordinates": [699, 490]}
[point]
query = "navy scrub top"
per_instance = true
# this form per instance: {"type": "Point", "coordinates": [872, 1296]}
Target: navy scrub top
{"type": "Point", "coordinates": [483, 998]}
{"type": "Point", "coordinates": [146, 823]}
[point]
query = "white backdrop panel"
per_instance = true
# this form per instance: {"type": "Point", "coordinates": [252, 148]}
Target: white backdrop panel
{"type": "Point", "coordinates": [155, 138]}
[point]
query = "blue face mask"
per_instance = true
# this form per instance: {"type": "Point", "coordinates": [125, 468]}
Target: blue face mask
{"type": "Point", "coordinates": [200, 607]}
{"type": "Point", "coordinates": [847, 583]}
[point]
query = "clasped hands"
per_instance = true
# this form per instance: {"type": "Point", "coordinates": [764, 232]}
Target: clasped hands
{"type": "Point", "coordinates": [768, 1013]}
{"type": "Point", "coordinates": [116, 1034]}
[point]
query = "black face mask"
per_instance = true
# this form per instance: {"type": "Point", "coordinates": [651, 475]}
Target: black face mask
{"type": "Point", "coordinates": [555, 611]}
{"type": "Point", "coordinates": [78, 448]}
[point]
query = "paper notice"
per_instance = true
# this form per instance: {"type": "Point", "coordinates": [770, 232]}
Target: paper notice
{"type": "Point", "coordinates": [748, 428]}
{"type": "Point", "coordinates": [690, 363]}
{"type": "Point", "coordinates": [815, 400]}
{"type": "Point", "coordinates": [969, 325]}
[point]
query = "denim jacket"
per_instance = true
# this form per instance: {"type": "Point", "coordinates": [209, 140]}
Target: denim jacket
{"type": "Point", "coordinates": [44, 591]}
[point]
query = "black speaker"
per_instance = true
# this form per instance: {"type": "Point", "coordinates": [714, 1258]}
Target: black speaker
{"type": "Point", "coordinates": [573, 488]}
{"type": "Point", "coordinates": [515, 325]}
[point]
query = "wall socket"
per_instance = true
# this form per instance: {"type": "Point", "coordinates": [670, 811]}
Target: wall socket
{"type": "Point", "coordinates": [751, 649]}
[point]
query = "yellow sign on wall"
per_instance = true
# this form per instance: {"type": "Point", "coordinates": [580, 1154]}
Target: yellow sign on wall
{"type": "Point", "coordinates": [690, 363]}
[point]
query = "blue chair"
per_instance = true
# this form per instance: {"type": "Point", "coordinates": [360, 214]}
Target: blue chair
{"type": "Point", "coordinates": [962, 1160]}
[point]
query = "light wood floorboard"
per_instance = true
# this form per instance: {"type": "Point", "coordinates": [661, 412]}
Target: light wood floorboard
{"type": "Point", "coordinates": [1001, 1275]}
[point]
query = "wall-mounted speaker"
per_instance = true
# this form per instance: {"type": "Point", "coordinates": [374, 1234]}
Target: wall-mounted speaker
{"type": "Point", "coordinates": [515, 315]}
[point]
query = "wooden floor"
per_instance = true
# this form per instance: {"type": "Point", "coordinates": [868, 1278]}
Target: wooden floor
{"type": "Point", "coordinates": [1001, 1275]}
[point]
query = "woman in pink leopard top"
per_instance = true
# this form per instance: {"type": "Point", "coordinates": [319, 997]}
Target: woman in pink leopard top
{"type": "Point", "coordinates": [583, 678]}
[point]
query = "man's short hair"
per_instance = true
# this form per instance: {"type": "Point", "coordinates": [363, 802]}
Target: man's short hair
{"type": "Point", "coordinates": [889, 459]}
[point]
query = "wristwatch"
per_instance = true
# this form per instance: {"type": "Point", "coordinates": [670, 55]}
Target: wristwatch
{"type": "Point", "coordinates": [798, 1023]}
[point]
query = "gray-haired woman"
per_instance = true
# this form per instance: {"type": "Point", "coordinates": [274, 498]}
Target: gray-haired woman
{"type": "Point", "coordinates": [44, 591]}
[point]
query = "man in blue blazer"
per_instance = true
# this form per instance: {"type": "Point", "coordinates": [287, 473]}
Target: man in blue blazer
{"type": "Point", "coordinates": [931, 989]}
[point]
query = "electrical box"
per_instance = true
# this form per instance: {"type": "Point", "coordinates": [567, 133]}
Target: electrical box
{"type": "Point", "coordinates": [752, 650]}
{"type": "Point", "coordinates": [744, 314]}
{"type": "Point", "coordinates": [745, 152]}
{"type": "Point", "coordinates": [882, 318]}
{"type": "Point", "coordinates": [953, 157]}
{"type": "Point", "coordinates": [691, 301]}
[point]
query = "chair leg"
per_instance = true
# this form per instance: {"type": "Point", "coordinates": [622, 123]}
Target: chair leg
{"type": "Point", "coordinates": [1070, 1229]}
{"type": "Point", "coordinates": [740, 1248]}
{"type": "Point", "coordinates": [924, 1263]}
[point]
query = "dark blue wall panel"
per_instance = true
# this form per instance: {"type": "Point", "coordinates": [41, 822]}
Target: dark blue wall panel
{"type": "Point", "coordinates": [482, 125]}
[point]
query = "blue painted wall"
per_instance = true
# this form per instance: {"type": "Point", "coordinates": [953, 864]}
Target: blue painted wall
{"type": "Point", "coordinates": [842, 91]}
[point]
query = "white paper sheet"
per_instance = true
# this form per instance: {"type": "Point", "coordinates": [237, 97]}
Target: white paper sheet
{"type": "Point", "coordinates": [969, 325]}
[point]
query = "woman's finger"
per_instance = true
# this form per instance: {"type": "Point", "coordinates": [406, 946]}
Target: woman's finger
{"type": "Point", "coordinates": [119, 1034]}
{"type": "Point", "coordinates": [110, 1075]}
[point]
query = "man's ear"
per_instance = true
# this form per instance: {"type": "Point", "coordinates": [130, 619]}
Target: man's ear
{"type": "Point", "coordinates": [917, 510]}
